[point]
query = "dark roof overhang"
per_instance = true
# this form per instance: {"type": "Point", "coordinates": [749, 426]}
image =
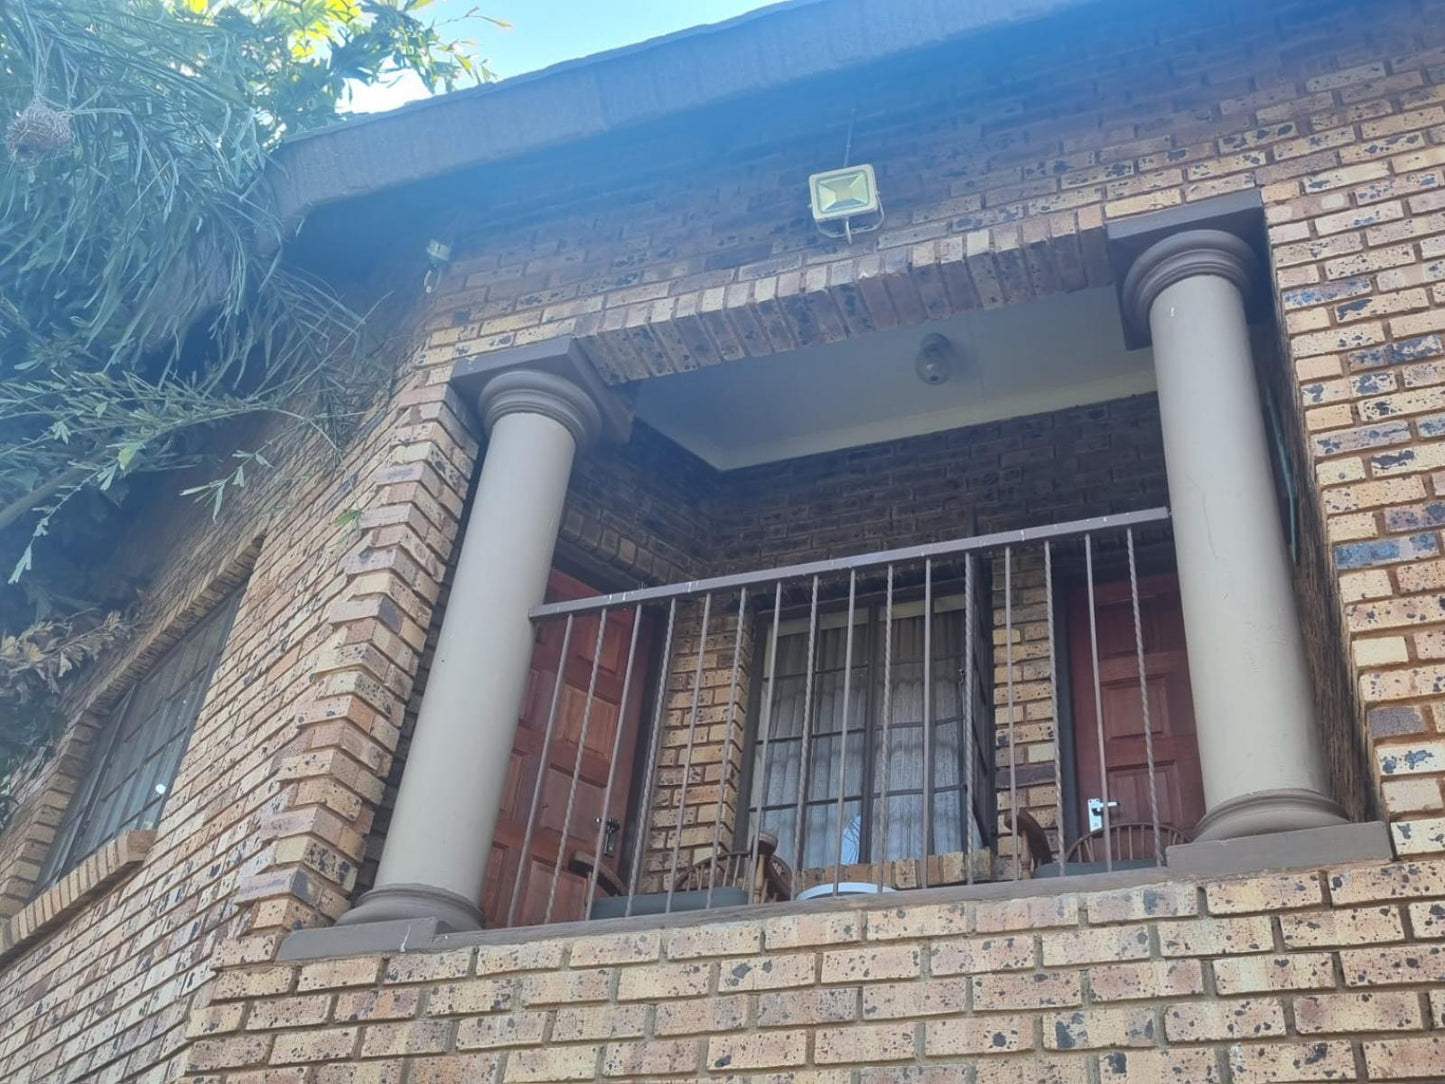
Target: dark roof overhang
{"type": "Point", "coordinates": [578, 101]}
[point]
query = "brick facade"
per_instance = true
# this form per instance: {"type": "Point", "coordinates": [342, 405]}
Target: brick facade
{"type": "Point", "coordinates": [996, 195]}
{"type": "Point", "coordinates": [1252, 980]}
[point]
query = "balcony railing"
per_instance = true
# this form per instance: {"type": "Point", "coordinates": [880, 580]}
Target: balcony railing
{"type": "Point", "coordinates": [836, 726]}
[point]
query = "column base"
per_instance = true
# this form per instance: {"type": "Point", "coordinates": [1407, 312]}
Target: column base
{"type": "Point", "coordinates": [1267, 811]}
{"type": "Point", "coordinates": [408, 902]}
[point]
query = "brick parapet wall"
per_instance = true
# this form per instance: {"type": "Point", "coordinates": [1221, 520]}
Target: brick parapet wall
{"type": "Point", "coordinates": [1334, 974]}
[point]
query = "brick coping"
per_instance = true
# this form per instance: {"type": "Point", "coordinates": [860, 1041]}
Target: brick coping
{"type": "Point", "coordinates": [1307, 849]}
{"type": "Point", "coordinates": [94, 875]}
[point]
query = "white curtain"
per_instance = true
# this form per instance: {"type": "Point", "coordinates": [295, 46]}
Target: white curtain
{"type": "Point", "coordinates": [897, 742]}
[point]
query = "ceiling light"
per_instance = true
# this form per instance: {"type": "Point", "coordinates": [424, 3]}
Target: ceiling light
{"type": "Point", "coordinates": [934, 363]}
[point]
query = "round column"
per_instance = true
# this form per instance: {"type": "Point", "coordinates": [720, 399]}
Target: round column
{"type": "Point", "coordinates": [439, 841]}
{"type": "Point", "coordinates": [1259, 745]}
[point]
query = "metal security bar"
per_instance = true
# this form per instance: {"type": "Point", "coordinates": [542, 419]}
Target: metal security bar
{"type": "Point", "coordinates": [824, 728]}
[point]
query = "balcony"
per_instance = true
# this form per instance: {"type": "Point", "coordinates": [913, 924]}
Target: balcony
{"type": "Point", "coordinates": [687, 731]}
{"type": "Point", "coordinates": [1054, 699]}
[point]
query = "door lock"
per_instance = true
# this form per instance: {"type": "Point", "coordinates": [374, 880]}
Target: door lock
{"type": "Point", "coordinates": [611, 829]}
{"type": "Point", "coordinates": [1096, 813]}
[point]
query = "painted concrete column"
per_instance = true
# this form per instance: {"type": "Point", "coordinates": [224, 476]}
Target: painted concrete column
{"type": "Point", "coordinates": [1259, 744]}
{"type": "Point", "coordinates": [436, 851]}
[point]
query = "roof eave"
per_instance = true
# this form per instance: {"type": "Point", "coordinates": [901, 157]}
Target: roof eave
{"type": "Point", "coordinates": [761, 52]}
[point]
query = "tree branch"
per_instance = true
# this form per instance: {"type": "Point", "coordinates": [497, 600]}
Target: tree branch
{"type": "Point", "coordinates": [17, 508]}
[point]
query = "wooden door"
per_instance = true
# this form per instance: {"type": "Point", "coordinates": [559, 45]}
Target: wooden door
{"type": "Point", "coordinates": [588, 816]}
{"type": "Point", "coordinates": [1171, 707]}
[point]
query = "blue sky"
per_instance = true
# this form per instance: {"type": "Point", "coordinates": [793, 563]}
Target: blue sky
{"type": "Point", "coordinates": [547, 31]}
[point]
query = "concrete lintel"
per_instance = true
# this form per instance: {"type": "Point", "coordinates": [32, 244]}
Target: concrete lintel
{"type": "Point", "coordinates": [561, 357]}
{"type": "Point", "coordinates": [1237, 213]}
{"type": "Point", "coordinates": [1309, 848]}
{"type": "Point", "coordinates": [398, 935]}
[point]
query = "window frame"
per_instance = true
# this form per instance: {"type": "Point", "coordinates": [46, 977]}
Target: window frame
{"type": "Point", "coordinates": [75, 839]}
{"type": "Point", "coordinates": [869, 615]}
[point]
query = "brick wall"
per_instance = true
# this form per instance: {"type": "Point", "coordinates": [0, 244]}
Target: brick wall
{"type": "Point", "coordinates": [1330, 975]}
{"type": "Point", "coordinates": [995, 196]}
{"type": "Point", "coordinates": [266, 819]}
{"type": "Point", "coordinates": [1002, 192]}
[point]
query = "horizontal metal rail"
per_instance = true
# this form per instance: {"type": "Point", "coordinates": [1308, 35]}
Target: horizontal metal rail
{"type": "Point", "coordinates": [930, 550]}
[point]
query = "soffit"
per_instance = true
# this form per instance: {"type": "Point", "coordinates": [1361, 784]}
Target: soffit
{"type": "Point", "coordinates": [1066, 350]}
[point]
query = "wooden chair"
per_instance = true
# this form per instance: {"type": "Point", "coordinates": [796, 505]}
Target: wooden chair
{"type": "Point", "coordinates": [1037, 840]}
{"type": "Point", "coordinates": [1131, 841]}
{"type": "Point", "coordinates": [772, 878]}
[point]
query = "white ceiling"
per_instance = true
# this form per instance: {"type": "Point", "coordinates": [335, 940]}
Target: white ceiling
{"type": "Point", "coordinates": [1067, 350]}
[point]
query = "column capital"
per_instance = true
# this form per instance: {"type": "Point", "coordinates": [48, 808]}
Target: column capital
{"type": "Point", "coordinates": [551, 378]}
{"type": "Point", "coordinates": [535, 391]}
{"type": "Point", "coordinates": [1181, 256]}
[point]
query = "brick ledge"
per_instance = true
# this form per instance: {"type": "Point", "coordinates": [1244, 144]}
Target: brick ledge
{"type": "Point", "coordinates": [98, 872]}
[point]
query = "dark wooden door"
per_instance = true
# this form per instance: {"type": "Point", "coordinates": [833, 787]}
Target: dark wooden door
{"type": "Point", "coordinates": [1171, 707]}
{"type": "Point", "coordinates": [548, 842]}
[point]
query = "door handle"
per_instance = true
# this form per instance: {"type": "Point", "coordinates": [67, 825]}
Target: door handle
{"type": "Point", "coordinates": [1096, 813]}
{"type": "Point", "coordinates": [611, 829]}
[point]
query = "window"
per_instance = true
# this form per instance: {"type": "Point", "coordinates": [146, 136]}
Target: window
{"type": "Point", "coordinates": [140, 748]}
{"type": "Point", "coordinates": [870, 834]}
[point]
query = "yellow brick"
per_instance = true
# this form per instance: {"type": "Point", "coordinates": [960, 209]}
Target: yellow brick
{"type": "Point", "coordinates": [1146, 979]}
{"type": "Point", "coordinates": [1027, 990]}
{"type": "Point", "coordinates": [871, 964]}
{"type": "Point", "coordinates": [863, 1043]}
{"type": "Point", "coordinates": [1066, 947]}
{"type": "Point", "coordinates": [929, 921]}
{"type": "Point", "coordinates": [757, 1050]}
{"type": "Point", "coordinates": [1215, 936]}
{"type": "Point", "coordinates": [991, 1034]}
{"type": "Point", "coordinates": [660, 982]}
{"type": "Point", "coordinates": [1271, 893]}
{"type": "Point", "coordinates": [562, 987]}
{"type": "Point", "coordinates": [971, 955]}
{"type": "Point", "coordinates": [1233, 1020]}
{"type": "Point", "coordinates": [1267, 1063]}
{"type": "Point", "coordinates": [1084, 1029]}
{"type": "Point", "coordinates": [696, 1016]}
{"type": "Point", "coordinates": [551, 1063]}
{"type": "Point", "coordinates": [720, 939]}
{"type": "Point", "coordinates": [1382, 1010]}
{"type": "Point", "coordinates": [1258, 974]}
{"type": "Point", "coordinates": [654, 1057]}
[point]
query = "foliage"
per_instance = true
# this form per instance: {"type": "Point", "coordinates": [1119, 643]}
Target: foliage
{"type": "Point", "coordinates": [144, 304]}
{"type": "Point", "coordinates": [32, 667]}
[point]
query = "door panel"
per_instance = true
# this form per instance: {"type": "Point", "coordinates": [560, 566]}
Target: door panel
{"type": "Point", "coordinates": [1171, 707]}
{"type": "Point", "coordinates": [564, 757]}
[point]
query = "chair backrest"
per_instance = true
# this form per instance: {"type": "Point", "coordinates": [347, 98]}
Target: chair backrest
{"type": "Point", "coordinates": [1037, 839]}
{"type": "Point", "coordinates": [772, 878]}
{"type": "Point", "coordinates": [1127, 842]}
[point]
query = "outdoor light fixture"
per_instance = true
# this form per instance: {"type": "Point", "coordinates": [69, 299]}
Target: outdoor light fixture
{"type": "Point", "coordinates": [438, 255]}
{"type": "Point", "coordinates": [845, 201]}
{"type": "Point", "coordinates": [934, 363]}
